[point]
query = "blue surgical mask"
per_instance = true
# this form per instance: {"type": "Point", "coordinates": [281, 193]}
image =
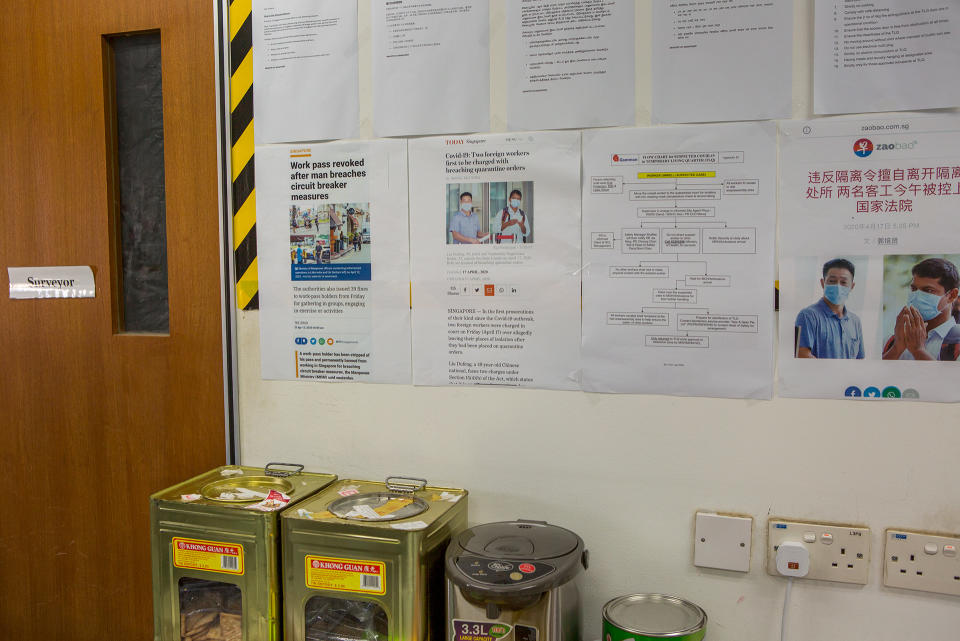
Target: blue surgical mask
{"type": "Point", "coordinates": [466, 207]}
{"type": "Point", "coordinates": [515, 203]}
{"type": "Point", "coordinates": [836, 294]}
{"type": "Point", "coordinates": [924, 302]}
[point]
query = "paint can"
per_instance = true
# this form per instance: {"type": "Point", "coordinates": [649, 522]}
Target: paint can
{"type": "Point", "coordinates": [648, 617]}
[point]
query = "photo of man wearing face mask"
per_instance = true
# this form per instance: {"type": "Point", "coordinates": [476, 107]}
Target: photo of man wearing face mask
{"type": "Point", "coordinates": [827, 329]}
{"type": "Point", "coordinates": [926, 326]}
{"type": "Point", "coordinates": [464, 226]}
{"type": "Point", "coordinates": [513, 221]}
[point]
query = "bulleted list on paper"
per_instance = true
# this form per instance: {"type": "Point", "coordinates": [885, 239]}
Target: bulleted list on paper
{"type": "Point", "coordinates": [305, 70]}
{"type": "Point", "coordinates": [415, 45]}
{"type": "Point", "coordinates": [570, 63]}
{"type": "Point", "coordinates": [722, 60]}
{"type": "Point", "coordinates": [885, 55]}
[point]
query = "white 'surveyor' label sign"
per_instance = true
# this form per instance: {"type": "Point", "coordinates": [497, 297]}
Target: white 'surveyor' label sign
{"type": "Point", "coordinates": [51, 282]}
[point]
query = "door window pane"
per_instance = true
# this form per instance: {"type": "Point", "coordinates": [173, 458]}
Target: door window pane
{"type": "Point", "coordinates": [140, 207]}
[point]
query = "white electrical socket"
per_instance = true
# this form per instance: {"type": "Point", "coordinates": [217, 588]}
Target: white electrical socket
{"type": "Point", "coordinates": [837, 552]}
{"type": "Point", "coordinates": [918, 561]}
{"type": "Point", "coordinates": [722, 541]}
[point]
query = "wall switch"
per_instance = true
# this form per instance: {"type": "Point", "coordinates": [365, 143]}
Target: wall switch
{"type": "Point", "coordinates": [918, 561]}
{"type": "Point", "coordinates": [722, 541]}
{"type": "Point", "coordinates": [837, 552]}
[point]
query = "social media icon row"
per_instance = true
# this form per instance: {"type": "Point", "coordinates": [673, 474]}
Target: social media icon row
{"type": "Point", "coordinates": [303, 340]}
{"type": "Point", "coordinates": [889, 391]}
{"type": "Point", "coordinates": [483, 289]}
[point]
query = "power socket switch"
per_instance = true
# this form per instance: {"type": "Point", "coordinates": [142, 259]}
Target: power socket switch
{"type": "Point", "coordinates": [837, 552]}
{"type": "Point", "coordinates": [925, 562]}
{"type": "Point", "coordinates": [722, 541]}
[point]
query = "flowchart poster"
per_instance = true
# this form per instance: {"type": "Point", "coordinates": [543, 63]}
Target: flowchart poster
{"type": "Point", "coordinates": [869, 258]}
{"type": "Point", "coordinates": [678, 251]}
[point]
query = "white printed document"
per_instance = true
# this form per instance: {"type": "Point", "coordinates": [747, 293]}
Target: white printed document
{"type": "Point", "coordinates": [678, 251]}
{"type": "Point", "coordinates": [333, 253]}
{"type": "Point", "coordinates": [495, 259]}
{"type": "Point", "coordinates": [305, 73]}
{"type": "Point", "coordinates": [885, 55]}
{"type": "Point", "coordinates": [869, 252]}
{"type": "Point", "coordinates": [431, 66]}
{"type": "Point", "coordinates": [570, 63]}
{"type": "Point", "coordinates": [722, 60]}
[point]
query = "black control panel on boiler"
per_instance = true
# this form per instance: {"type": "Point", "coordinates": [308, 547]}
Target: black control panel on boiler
{"type": "Point", "coordinates": [501, 572]}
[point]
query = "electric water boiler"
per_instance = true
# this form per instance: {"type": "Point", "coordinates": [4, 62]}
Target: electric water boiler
{"type": "Point", "coordinates": [514, 581]}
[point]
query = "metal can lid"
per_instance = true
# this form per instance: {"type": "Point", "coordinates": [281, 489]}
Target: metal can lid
{"type": "Point", "coordinates": [655, 615]}
{"type": "Point", "coordinates": [245, 489]}
{"type": "Point", "coordinates": [378, 506]}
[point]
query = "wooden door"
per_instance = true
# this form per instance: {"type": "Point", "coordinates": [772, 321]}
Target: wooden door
{"type": "Point", "coordinates": [93, 420]}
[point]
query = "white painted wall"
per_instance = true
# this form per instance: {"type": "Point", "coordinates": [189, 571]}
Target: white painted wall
{"type": "Point", "coordinates": [628, 472]}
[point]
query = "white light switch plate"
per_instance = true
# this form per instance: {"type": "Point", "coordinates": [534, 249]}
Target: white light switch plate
{"type": "Point", "coordinates": [722, 542]}
{"type": "Point", "coordinates": [926, 562]}
{"type": "Point", "coordinates": [837, 552]}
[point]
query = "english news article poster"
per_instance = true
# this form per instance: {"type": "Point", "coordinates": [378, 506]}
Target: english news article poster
{"type": "Point", "coordinates": [495, 259]}
{"type": "Point", "coordinates": [333, 253]}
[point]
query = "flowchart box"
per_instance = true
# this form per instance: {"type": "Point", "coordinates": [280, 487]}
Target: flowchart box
{"type": "Point", "coordinates": [606, 184]}
{"type": "Point", "coordinates": [681, 241]}
{"type": "Point", "coordinates": [676, 341]}
{"type": "Point", "coordinates": [727, 323]}
{"type": "Point", "coordinates": [639, 271]}
{"type": "Point", "coordinates": [730, 240]}
{"type": "Point", "coordinates": [679, 158]}
{"type": "Point", "coordinates": [676, 212]}
{"type": "Point", "coordinates": [644, 319]}
{"type": "Point", "coordinates": [674, 295]}
{"type": "Point", "coordinates": [726, 157]}
{"type": "Point", "coordinates": [641, 241]}
{"type": "Point", "coordinates": [679, 193]}
{"type": "Point", "coordinates": [707, 280]}
{"type": "Point", "coordinates": [601, 240]}
{"type": "Point", "coordinates": [741, 186]}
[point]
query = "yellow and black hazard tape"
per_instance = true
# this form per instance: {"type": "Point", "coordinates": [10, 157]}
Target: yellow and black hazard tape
{"type": "Point", "coordinates": [241, 154]}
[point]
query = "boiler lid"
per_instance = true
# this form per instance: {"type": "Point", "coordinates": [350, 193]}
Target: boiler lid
{"type": "Point", "coordinates": [527, 540]}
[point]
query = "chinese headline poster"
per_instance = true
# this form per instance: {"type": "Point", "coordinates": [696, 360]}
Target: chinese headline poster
{"type": "Point", "coordinates": [869, 251]}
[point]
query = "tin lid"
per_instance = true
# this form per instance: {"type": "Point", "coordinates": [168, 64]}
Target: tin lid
{"type": "Point", "coordinates": [245, 489]}
{"type": "Point", "coordinates": [378, 506]}
{"type": "Point", "coordinates": [399, 503]}
{"type": "Point", "coordinates": [527, 540]}
{"type": "Point", "coordinates": [655, 615]}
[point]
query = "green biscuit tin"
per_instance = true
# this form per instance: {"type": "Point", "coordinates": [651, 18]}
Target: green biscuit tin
{"type": "Point", "coordinates": [649, 617]}
{"type": "Point", "coordinates": [216, 552]}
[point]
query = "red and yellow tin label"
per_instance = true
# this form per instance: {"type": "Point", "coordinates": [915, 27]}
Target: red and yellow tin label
{"type": "Point", "coordinates": [211, 556]}
{"type": "Point", "coordinates": [345, 575]}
